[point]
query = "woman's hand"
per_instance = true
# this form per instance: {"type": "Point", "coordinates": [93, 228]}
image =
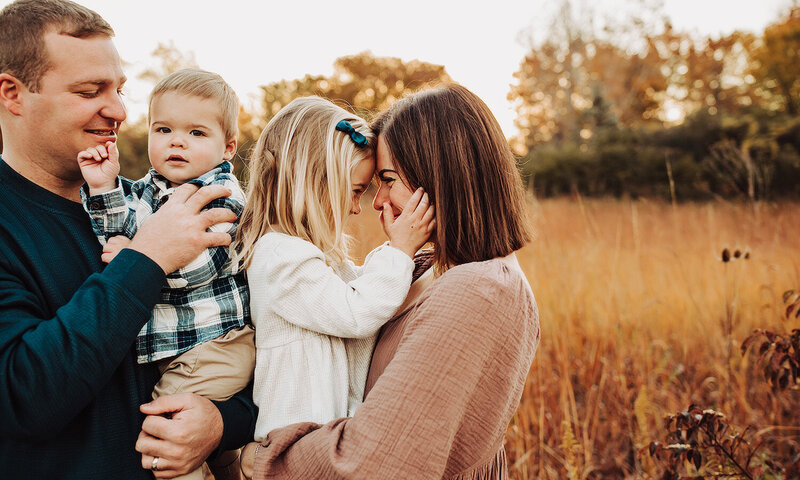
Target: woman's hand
{"type": "Point", "coordinates": [412, 228]}
{"type": "Point", "coordinates": [248, 459]}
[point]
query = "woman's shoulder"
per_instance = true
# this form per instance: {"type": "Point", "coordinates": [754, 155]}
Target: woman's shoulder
{"type": "Point", "coordinates": [499, 275]}
{"type": "Point", "coordinates": [495, 285]}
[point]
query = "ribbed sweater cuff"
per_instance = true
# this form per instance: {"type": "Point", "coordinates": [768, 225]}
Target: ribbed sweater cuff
{"type": "Point", "coordinates": [142, 277]}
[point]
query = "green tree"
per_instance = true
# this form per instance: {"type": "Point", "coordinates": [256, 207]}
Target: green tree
{"type": "Point", "coordinates": [777, 63]}
{"type": "Point", "coordinates": [580, 65]}
{"type": "Point", "coordinates": [361, 83]}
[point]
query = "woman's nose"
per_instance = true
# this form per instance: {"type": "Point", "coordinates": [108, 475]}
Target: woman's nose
{"type": "Point", "coordinates": [381, 196]}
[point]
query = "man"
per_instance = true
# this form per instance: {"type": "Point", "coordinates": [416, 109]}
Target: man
{"type": "Point", "coordinates": [70, 387]}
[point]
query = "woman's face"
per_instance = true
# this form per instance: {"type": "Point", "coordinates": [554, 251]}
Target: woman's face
{"type": "Point", "coordinates": [391, 187]}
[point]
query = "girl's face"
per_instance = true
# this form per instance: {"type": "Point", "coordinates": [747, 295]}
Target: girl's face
{"type": "Point", "coordinates": [361, 176]}
{"type": "Point", "coordinates": [391, 187]}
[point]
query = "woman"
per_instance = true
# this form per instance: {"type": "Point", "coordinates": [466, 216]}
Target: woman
{"type": "Point", "coordinates": [449, 369]}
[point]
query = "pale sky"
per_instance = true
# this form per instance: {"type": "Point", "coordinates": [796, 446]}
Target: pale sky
{"type": "Point", "coordinates": [481, 44]}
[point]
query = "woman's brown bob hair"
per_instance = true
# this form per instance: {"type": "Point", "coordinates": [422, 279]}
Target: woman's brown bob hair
{"type": "Point", "coordinates": [446, 141]}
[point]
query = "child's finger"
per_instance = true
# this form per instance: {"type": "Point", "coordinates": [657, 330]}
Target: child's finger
{"type": "Point", "coordinates": [431, 226]}
{"type": "Point", "coordinates": [422, 206]}
{"type": "Point", "coordinates": [413, 201]}
{"type": "Point", "coordinates": [386, 215]}
{"type": "Point", "coordinates": [113, 153]}
{"type": "Point", "coordinates": [428, 216]}
{"type": "Point", "coordinates": [101, 150]}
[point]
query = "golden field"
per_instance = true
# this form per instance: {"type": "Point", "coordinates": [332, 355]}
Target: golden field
{"type": "Point", "coordinates": [640, 318]}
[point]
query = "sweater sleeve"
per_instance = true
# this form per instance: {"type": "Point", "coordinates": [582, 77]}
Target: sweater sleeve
{"type": "Point", "coordinates": [291, 277]}
{"type": "Point", "coordinates": [239, 420]}
{"type": "Point", "coordinates": [460, 364]}
{"type": "Point", "coordinates": [51, 368]}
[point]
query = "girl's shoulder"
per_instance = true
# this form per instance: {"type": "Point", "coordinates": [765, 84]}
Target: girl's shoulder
{"type": "Point", "coordinates": [276, 245]}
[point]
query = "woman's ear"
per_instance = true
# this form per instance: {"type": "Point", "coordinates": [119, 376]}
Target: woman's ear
{"type": "Point", "coordinates": [10, 93]}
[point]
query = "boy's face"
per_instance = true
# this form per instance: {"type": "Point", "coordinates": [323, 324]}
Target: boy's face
{"type": "Point", "coordinates": [186, 138]}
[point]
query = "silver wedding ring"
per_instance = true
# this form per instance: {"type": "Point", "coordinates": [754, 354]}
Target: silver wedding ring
{"type": "Point", "coordinates": [154, 466]}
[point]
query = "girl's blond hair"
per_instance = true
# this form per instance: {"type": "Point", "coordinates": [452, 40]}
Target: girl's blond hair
{"type": "Point", "coordinates": [300, 178]}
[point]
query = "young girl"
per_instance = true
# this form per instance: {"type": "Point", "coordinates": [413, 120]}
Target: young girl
{"type": "Point", "coordinates": [315, 313]}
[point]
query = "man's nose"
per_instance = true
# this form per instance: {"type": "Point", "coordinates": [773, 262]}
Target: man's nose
{"type": "Point", "coordinates": [114, 108]}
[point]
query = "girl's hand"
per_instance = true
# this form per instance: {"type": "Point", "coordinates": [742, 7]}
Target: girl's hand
{"type": "Point", "coordinates": [100, 167]}
{"type": "Point", "coordinates": [409, 231]}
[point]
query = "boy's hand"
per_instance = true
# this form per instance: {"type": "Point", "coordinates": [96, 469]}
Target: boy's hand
{"type": "Point", "coordinates": [409, 231]}
{"type": "Point", "coordinates": [113, 246]}
{"type": "Point", "coordinates": [100, 167]}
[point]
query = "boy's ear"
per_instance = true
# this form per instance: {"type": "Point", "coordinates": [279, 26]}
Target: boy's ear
{"type": "Point", "coordinates": [230, 149]}
{"type": "Point", "coordinates": [10, 93]}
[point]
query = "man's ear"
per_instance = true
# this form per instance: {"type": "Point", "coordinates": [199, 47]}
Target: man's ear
{"type": "Point", "coordinates": [10, 93]}
{"type": "Point", "coordinates": [230, 149]}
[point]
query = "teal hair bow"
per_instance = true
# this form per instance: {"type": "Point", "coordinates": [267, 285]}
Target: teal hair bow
{"type": "Point", "coordinates": [358, 138]}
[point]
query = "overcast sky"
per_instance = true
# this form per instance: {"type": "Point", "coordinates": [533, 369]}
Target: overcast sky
{"type": "Point", "coordinates": [481, 44]}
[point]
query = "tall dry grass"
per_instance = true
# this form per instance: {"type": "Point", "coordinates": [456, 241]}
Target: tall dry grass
{"type": "Point", "coordinates": [640, 318]}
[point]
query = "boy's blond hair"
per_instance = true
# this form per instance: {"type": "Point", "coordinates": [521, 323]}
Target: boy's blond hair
{"type": "Point", "coordinates": [300, 178]}
{"type": "Point", "coordinates": [203, 84]}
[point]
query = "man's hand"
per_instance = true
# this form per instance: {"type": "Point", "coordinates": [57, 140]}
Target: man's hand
{"type": "Point", "coordinates": [184, 440]}
{"type": "Point", "coordinates": [176, 234]}
{"type": "Point", "coordinates": [100, 167]}
{"type": "Point", "coordinates": [113, 246]}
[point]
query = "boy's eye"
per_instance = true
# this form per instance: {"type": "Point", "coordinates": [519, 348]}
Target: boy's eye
{"type": "Point", "coordinates": [163, 130]}
{"type": "Point", "coordinates": [197, 133]}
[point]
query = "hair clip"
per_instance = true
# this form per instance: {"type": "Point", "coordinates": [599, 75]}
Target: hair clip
{"type": "Point", "coordinates": [358, 138]}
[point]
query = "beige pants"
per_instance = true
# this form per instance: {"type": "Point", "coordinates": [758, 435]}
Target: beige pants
{"type": "Point", "coordinates": [217, 370]}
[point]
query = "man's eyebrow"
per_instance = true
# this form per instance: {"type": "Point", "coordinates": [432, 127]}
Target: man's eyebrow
{"type": "Point", "coordinates": [98, 82]}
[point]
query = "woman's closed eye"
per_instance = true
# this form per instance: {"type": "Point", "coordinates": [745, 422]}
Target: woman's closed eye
{"type": "Point", "coordinates": [388, 180]}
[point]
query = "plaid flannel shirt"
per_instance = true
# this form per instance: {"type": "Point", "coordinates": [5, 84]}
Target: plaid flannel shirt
{"type": "Point", "coordinates": [203, 300]}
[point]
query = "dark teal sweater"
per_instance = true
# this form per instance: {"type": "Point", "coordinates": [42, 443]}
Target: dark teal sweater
{"type": "Point", "coordinates": [70, 387]}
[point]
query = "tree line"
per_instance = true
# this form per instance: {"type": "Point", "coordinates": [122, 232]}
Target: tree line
{"type": "Point", "coordinates": [642, 109]}
{"type": "Point", "coordinates": [604, 107]}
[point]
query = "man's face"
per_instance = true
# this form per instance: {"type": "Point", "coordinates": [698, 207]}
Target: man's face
{"type": "Point", "coordinates": [78, 104]}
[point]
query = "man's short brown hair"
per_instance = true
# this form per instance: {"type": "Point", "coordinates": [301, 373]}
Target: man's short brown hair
{"type": "Point", "coordinates": [447, 141]}
{"type": "Point", "coordinates": [23, 25]}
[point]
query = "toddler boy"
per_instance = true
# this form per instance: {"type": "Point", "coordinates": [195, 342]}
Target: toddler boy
{"type": "Point", "coordinates": [199, 334]}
